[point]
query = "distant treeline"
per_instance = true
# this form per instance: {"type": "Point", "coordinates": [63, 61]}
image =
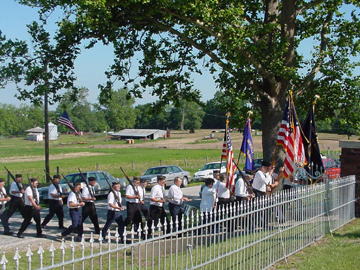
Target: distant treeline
{"type": "Point", "coordinates": [119, 112]}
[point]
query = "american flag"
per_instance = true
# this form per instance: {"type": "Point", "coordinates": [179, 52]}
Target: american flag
{"type": "Point", "coordinates": [230, 162]}
{"type": "Point", "coordinates": [65, 120]}
{"type": "Point", "coordinates": [290, 138]}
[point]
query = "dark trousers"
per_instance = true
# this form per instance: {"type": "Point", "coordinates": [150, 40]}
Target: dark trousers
{"type": "Point", "coordinates": [89, 210]}
{"type": "Point", "coordinates": [176, 214]}
{"type": "Point", "coordinates": [145, 211]}
{"type": "Point", "coordinates": [262, 218]}
{"type": "Point", "coordinates": [133, 215]}
{"type": "Point", "coordinates": [222, 204]}
{"type": "Point", "coordinates": [31, 212]}
{"type": "Point", "coordinates": [156, 213]}
{"type": "Point", "coordinates": [55, 207]}
{"type": "Point", "coordinates": [16, 203]}
{"type": "Point", "coordinates": [110, 218]}
{"type": "Point", "coordinates": [245, 222]}
{"type": "Point", "coordinates": [259, 193]}
{"type": "Point", "coordinates": [76, 223]}
{"type": "Point", "coordinates": [4, 218]}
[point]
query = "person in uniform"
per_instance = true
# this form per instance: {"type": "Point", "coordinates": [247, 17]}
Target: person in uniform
{"type": "Point", "coordinates": [133, 204]}
{"type": "Point", "coordinates": [16, 193]}
{"type": "Point", "coordinates": [263, 179]}
{"type": "Point", "coordinates": [114, 212]}
{"type": "Point", "coordinates": [89, 209]}
{"type": "Point", "coordinates": [55, 203]}
{"type": "Point", "coordinates": [175, 199]}
{"type": "Point", "coordinates": [208, 201]}
{"type": "Point", "coordinates": [216, 177]}
{"type": "Point", "coordinates": [32, 209]}
{"type": "Point", "coordinates": [157, 201]}
{"type": "Point", "coordinates": [4, 198]}
{"type": "Point", "coordinates": [223, 194]}
{"type": "Point", "coordinates": [74, 203]}
{"type": "Point", "coordinates": [142, 192]}
{"type": "Point", "coordinates": [242, 191]}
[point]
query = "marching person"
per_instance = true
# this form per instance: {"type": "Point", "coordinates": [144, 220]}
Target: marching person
{"type": "Point", "coordinates": [133, 204]}
{"type": "Point", "coordinates": [89, 209]}
{"type": "Point", "coordinates": [241, 189]}
{"type": "Point", "coordinates": [223, 192]}
{"type": "Point", "coordinates": [175, 199]}
{"type": "Point", "coordinates": [263, 179]}
{"type": "Point", "coordinates": [114, 211]}
{"type": "Point", "coordinates": [3, 214]}
{"type": "Point", "coordinates": [16, 193]}
{"type": "Point", "coordinates": [142, 192]}
{"type": "Point", "coordinates": [74, 203]}
{"type": "Point", "coordinates": [32, 209]}
{"type": "Point", "coordinates": [208, 200]}
{"type": "Point", "coordinates": [157, 201]}
{"type": "Point", "coordinates": [55, 203]}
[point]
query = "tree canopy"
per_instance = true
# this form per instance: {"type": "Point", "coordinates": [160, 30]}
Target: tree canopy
{"type": "Point", "coordinates": [255, 49]}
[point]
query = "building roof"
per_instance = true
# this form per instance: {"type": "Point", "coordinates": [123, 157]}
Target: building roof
{"type": "Point", "coordinates": [137, 132]}
{"type": "Point", "coordinates": [35, 130]}
{"type": "Point", "coordinates": [34, 134]}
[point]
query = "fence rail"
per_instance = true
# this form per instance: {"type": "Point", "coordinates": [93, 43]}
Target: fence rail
{"type": "Point", "coordinates": [247, 235]}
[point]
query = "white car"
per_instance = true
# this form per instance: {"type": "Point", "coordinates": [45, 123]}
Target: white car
{"type": "Point", "coordinates": [207, 170]}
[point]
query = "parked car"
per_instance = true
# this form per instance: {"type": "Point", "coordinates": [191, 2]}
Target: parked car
{"type": "Point", "coordinates": [101, 187]}
{"type": "Point", "coordinates": [207, 170]}
{"type": "Point", "coordinates": [169, 171]}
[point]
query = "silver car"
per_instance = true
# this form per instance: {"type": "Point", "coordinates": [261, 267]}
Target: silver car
{"type": "Point", "coordinates": [101, 187]}
{"type": "Point", "coordinates": [169, 171]}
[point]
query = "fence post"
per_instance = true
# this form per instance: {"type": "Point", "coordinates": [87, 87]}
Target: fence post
{"type": "Point", "coordinates": [97, 166]}
{"type": "Point", "coordinates": [133, 165]}
{"type": "Point", "coordinates": [160, 162]}
{"type": "Point", "coordinates": [185, 161]}
{"type": "Point", "coordinates": [57, 170]}
{"type": "Point", "coordinates": [207, 159]}
{"type": "Point", "coordinates": [327, 206]}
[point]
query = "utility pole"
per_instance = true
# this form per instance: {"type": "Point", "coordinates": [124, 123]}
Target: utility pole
{"type": "Point", "coordinates": [46, 118]}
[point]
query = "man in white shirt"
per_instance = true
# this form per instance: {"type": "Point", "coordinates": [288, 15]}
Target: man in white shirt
{"type": "Point", "coordinates": [242, 190]}
{"type": "Point", "coordinates": [89, 209]}
{"type": "Point", "coordinates": [114, 211]}
{"type": "Point", "coordinates": [32, 209]}
{"type": "Point", "coordinates": [142, 193]}
{"type": "Point", "coordinates": [133, 204]}
{"type": "Point", "coordinates": [55, 203]}
{"type": "Point", "coordinates": [175, 199]}
{"type": "Point", "coordinates": [157, 201]}
{"type": "Point", "coordinates": [74, 202]}
{"type": "Point", "coordinates": [4, 198]}
{"type": "Point", "coordinates": [16, 193]}
{"type": "Point", "coordinates": [263, 179]}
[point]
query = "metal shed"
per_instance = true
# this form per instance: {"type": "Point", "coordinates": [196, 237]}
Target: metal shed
{"type": "Point", "coordinates": [144, 134]}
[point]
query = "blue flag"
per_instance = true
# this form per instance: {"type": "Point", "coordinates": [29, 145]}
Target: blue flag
{"type": "Point", "coordinates": [247, 147]}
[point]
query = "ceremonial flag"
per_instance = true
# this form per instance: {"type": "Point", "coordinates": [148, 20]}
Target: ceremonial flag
{"type": "Point", "coordinates": [230, 163]}
{"type": "Point", "coordinates": [65, 120]}
{"type": "Point", "coordinates": [290, 138]}
{"type": "Point", "coordinates": [314, 164]}
{"type": "Point", "coordinates": [247, 147]}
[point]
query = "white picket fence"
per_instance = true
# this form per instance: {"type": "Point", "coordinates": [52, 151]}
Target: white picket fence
{"type": "Point", "coordinates": [252, 235]}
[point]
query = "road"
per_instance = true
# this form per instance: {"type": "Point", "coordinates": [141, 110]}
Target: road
{"type": "Point", "coordinates": [9, 243]}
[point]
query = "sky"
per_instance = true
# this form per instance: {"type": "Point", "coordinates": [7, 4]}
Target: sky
{"type": "Point", "coordinates": [90, 65]}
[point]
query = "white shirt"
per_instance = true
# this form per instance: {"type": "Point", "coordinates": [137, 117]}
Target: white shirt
{"type": "Point", "coordinates": [142, 193]}
{"type": "Point", "coordinates": [111, 199]}
{"type": "Point", "coordinates": [241, 188]}
{"type": "Point", "coordinates": [175, 194]}
{"type": "Point", "coordinates": [52, 189]}
{"type": "Point", "coordinates": [208, 199]}
{"type": "Point", "coordinates": [131, 192]}
{"type": "Point", "coordinates": [223, 191]}
{"type": "Point", "coordinates": [86, 194]}
{"type": "Point", "coordinates": [72, 198]}
{"type": "Point", "coordinates": [2, 196]}
{"type": "Point", "coordinates": [14, 187]}
{"type": "Point", "coordinates": [29, 192]}
{"type": "Point", "coordinates": [157, 192]}
{"type": "Point", "coordinates": [261, 180]}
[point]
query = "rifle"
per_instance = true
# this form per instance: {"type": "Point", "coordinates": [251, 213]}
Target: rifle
{"type": "Point", "coordinates": [53, 182]}
{"type": "Point", "coordinates": [32, 189]}
{"type": "Point", "coordinates": [87, 184]}
{"type": "Point", "coordinates": [130, 183]}
{"type": "Point", "coordinates": [248, 187]}
{"type": "Point", "coordinates": [20, 188]}
{"type": "Point", "coordinates": [72, 189]}
{"type": "Point", "coordinates": [113, 191]}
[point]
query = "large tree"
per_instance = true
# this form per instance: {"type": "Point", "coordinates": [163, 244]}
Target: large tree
{"type": "Point", "coordinates": [251, 46]}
